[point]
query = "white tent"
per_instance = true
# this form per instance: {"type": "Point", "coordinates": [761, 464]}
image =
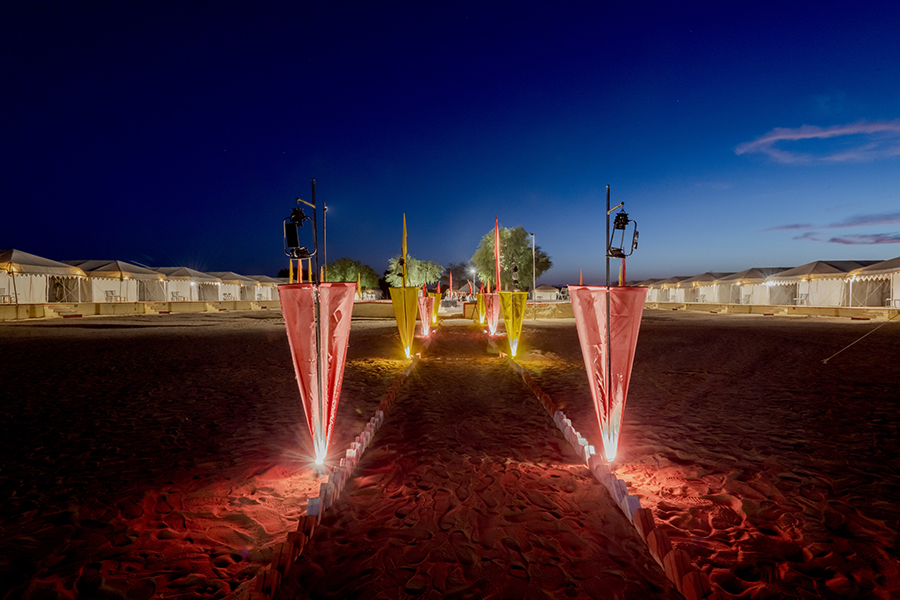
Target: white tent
{"type": "Point", "coordinates": [234, 286]}
{"type": "Point", "coordinates": [544, 293]}
{"type": "Point", "coordinates": [29, 279]}
{"type": "Point", "coordinates": [118, 281]}
{"type": "Point", "coordinates": [747, 287]}
{"type": "Point", "coordinates": [699, 288]}
{"type": "Point", "coordinates": [876, 285]}
{"type": "Point", "coordinates": [266, 287]}
{"type": "Point", "coordinates": [650, 291]}
{"type": "Point", "coordinates": [819, 283]}
{"type": "Point", "coordinates": [663, 290]}
{"type": "Point", "coordinates": [184, 284]}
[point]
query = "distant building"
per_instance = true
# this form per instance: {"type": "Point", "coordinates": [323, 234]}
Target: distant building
{"type": "Point", "coordinates": [546, 293]}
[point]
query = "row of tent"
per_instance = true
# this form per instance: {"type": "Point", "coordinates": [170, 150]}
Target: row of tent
{"type": "Point", "coordinates": [819, 283]}
{"type": "Point", "coordinates": [29, 279]}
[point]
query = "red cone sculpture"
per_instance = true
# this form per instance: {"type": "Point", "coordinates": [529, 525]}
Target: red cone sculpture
{"type": "Point", "coordinates": [319, 350]}
{"type": "Point", "coordinates": [626, 307]}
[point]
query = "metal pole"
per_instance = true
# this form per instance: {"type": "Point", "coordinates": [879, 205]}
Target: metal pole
{"type": "Point", "coordinates": [320, 425]}
{"type": "Point", "coordinates": [325, 240]}
{"type": "Point", "coordinates": [315, 234]}
{"type": "Point", "coordinates": [608, 336]}
{"type": "Point", "coordinates": [533, 283]}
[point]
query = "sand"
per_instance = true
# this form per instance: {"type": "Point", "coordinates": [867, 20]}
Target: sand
{"type": "Point", "coordinates": [777, 473]}
{"type": "Point", "coordinates": [159, 456]}
{"type": "Point", "coordinates": [164, 455]}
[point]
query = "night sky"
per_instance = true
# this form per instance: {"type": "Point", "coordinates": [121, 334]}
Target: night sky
{"type": "Point", "coordinates": [738, 134]}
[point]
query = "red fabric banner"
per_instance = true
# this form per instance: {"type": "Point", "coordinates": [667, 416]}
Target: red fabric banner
{"type": "Point", "coordinates": [625, 310]}
{"type": "Point", "coordinates": [497, 249]}
{"type": "Point", "coordinates": [492, 312]}
{"type": "Point", "coordinates": [319, 391]}
{"type": "Point", "coordinates": [426, 308]}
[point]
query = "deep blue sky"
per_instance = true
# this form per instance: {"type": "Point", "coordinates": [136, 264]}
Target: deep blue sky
{"type": "Point", "coordinates": [738, 134]}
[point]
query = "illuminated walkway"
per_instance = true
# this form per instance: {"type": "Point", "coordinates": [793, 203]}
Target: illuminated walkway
{"type": "Point", "coordinates": [469, 490]}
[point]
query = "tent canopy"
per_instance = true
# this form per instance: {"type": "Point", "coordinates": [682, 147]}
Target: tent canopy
{"type": "Point", "coordinates": [753, 275]}
{"type": "Point", "coordinates": [647, 282]}
{"type": "Point", "coordinates": [666, 282]}
{"type": "Point", "coordinates": [232, 278]}
{"type": "Point", "coordinates": [185, 273]}
{"type": "Point", "coordinates": [264, 279]}
{"type": "Point", "coordinates": [821, 269]}
{"type": "Point", "coordinates": [701, 279]}
{"type": "Point", "coordinates": [115, 269]}
{"type": "Point", "coordinates": [879, 270]}
{"type": "Point", "coordinates": [16, 261]}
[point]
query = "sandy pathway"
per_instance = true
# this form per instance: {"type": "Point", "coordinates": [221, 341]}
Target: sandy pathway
{"type": "Point", "coordinates": [470, 492]}
{"type": "Point", "coordinates": [778, 474]}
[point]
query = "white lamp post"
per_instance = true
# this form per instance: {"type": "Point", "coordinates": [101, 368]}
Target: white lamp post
{"type": "Point", "coordinates": [533, 283]}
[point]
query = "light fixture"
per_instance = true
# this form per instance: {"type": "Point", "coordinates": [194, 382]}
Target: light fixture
{"type": "Point", "coordinates": [620, 223]}
{"type": "Point", "coordinates": [292, 225]}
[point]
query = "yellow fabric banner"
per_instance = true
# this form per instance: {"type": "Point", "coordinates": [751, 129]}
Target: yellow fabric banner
{"type": "Point", "coordinates": [437, 305]}
{"type": "Point", "coordinates": [403, 254]}
{"type": "Point", "coordinates": [405, 301]}
{"type": "Point", "coordinates": [513, 306]}
{"type": "Point", "coordinates": [478, 315]}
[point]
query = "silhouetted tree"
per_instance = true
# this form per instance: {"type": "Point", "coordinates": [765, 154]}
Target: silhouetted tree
{"type": "Point", "coordinates": [346, 269]}
{"type": "Point", "coordinates": [417, 272]}
{"type": "Point", "coordinates": [515, 247]}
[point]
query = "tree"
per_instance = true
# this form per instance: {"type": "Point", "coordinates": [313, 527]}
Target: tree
{"type": "Point", "coordinates": [460, 274]}
{"type": "Point", "coordinates": [515, 249]}
{"type": "Point", "coordinates": [346, 269]}
{"type": "Point", "coordinates": [417, 272]}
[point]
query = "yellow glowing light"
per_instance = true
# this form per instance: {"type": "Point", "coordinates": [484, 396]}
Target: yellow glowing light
{"type": "Point", "coordinates": [408, 355]}
{"type": "Point", "coordinates": [513, 346]}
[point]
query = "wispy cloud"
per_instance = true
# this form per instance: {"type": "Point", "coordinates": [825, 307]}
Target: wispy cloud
{"type": "Point", "coordinates": [812, 236]}
{"type": "Point", "coordinates": [792, 227]}
{"type": "Point", "coordinates": [875, 238]}
{"type": "Point", "coordinates": [863, 220]}
{"type": "Point", "coordinates": [878, 140]}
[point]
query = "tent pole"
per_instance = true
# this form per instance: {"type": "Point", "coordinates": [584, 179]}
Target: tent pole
{"type": "Point", "coordinates": [608, 336]}
{"type": "Point", "coordinates": [319, 380]}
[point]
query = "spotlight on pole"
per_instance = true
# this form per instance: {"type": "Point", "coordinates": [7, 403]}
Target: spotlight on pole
{"type": "Point", "coordinates": [292, 225]}
{"type": "Point", "coordinates": [620, 223]}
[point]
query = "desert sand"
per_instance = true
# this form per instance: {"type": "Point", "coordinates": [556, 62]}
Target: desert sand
{"type": "Point", "coordinates": [165, 456]}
